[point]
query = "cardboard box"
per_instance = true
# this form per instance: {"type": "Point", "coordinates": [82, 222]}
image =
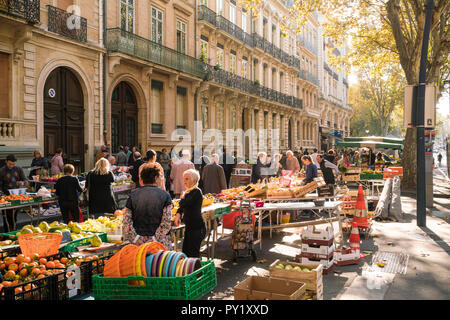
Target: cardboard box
{"type": "Point", "coordinates": [317, 256]}
{"type": "Point", "coordinates": [346, 256]}
{"type": "Point", "coordinates": [262, 288]}
{"type": "Point", "coordinates": [318, 249]}
{"type": "Point", "coordinates": [327, 264]}
{"type": "Point", "coordinates": [313, 235]}
{"type": "Point", "coordinates": [312, 279]}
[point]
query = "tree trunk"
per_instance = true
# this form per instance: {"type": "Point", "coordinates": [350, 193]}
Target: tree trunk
{"type": "Point", "coordinates": [409, 160]}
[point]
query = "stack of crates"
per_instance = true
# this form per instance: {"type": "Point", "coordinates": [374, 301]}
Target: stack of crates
{"type": "Point", "coordinates": [318, 247]}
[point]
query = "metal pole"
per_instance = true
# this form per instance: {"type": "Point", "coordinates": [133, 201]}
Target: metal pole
{"type": "Point", "coordinates": [421, 186]}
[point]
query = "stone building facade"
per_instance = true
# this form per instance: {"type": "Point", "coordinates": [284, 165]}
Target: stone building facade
{"type": "Point", "coordinates": [77, 74]}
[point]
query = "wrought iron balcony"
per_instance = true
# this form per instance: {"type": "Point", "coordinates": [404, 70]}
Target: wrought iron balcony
{"type": "Point", "coordinates": [236, 82]}
{"type": "Point", "coordinates": [30, 10]}
{"type": "Point", "coordinates": [308, 45]}
{"type": "Point", "coordinates": [128, 43]}
{"type": "Point", "coordinates": [306, 75]}
{"type": "Point", "coordinates": [67, 24]}
{"type": "Point", "coordinates": [206, 14]}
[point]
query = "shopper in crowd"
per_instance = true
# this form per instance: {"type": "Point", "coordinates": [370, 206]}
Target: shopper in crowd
{"type": "Point", "coordinates": [105, 153]}
{"type": "Point", "coordinates": [164, 160]}
{"type": "Point", "coordinates": [190, 211]}
{"type": "Point", "coordinates": [112, 164]}
{"type": "Point", "coordinates": [213, 176]}
{"type": "Point", "coordinates": [314, 156]}
{"type": "Point", "coordinates": [204, 162]}
{"type": "Point", "coordinates": [330, 156]}
{"type": "Point", "coordinates": [99, 153]}
{"type": "Point", "coordinates": [356, 159]}
{"type": "Point", "coordinates": [99, 185]}
{"type": "Point", "coordinates": [311, 170]}
{"type": "Point", "coordinates": [292, 162]}
{"type": "Point", "coordinates": [178, 168]}
{"type": "Point", "coordinates": [149, 213]}
{"type": "Point", "coordinates": [37, 164]}
{"type": "Point", "coordinates": [131, 159]}
{"type": "Point", "coordinates": [121, 157]}
{"type": "Point", "coordinates": [68, 189]}
{"type": "Point", "coordinates": [57, 163]}
{"type": "Point", "coordinates": [134, 171]}
{"type": "Point", "coordinates": [128, 153]}
{"type": "Point", "coordinates": [151, 158]}
{"type": "Point", "coordinates": [305, 153]}
{"type": "Point", "coordinates": [260, 169]}
{"type": "Point", "coordinates": [329, 170]}
{"type": "Point", "coordinates": [11, 177]}
{"type": "Point", "coordinates": [344, 160]}
{"type": "Point", "coordinates": [227, 165]}
{"type": "Point", "coordinates": [275, 166]}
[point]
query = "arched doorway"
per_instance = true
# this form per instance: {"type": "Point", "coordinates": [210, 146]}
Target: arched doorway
{"type": "Point", "coordinates": [64, 117]}
{"type": "Point", "coordinates": [124, 114]}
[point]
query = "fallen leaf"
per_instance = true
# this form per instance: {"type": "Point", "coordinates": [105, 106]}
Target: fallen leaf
{"type": "Point", "coordinates": [262, 260]}
{"type": "Point", "coordinates": [381, 264]}
{"type": "Point", "coordinates": [368, 252]}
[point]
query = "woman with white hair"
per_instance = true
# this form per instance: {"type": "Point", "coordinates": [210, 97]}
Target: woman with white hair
{"type": "Point", "coordinates": [99, 185]}
{"type": "Point", "coordinates": [213, 176]}
{"type": "Point", "coordinates": [191, 210]}
{"type": "Point", "coordinates": [292, 162]}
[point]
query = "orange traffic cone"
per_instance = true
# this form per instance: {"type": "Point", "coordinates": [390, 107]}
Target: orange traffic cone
{"type": "Point", "coordinates": [361, 217]}
{"type": "Point", "coordinates": [354, 238]}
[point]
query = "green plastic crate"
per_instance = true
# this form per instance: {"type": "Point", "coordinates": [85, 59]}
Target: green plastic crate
{"type": "Point", "coordinates": [371, 176]}
{"type": "Point", "coordinates": [73, 245]}
{"type": "Point", "coordinates": [191, 287]}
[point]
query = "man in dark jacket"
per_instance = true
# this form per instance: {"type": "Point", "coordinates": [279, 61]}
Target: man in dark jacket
{"type": "Point", "coordinates": [137, 162]}
{"type": "Point", "coordinates": [259, 172]}
{"type": "Point", "coordinates": [327, 169]}
{"type": "Point", "coordinates": [227, 165]}
{"type": "Point", "coordinates": [213, 176]}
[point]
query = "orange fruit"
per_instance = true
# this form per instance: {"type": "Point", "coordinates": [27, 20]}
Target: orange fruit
{"type": "Point", "coordinates": [50, 264]}
{"type": "Point", "coordinates": [35, 272]}
{"type": "Point", "coordinates": [1, 286]}
{"type": "Point", "coordinates": [20, 258]}
{"type": "Point", "coordinates": [10, 274]}
{"type": "Point", "coordinates": [42, 261]}
{"type": "Point", "coordinates": [34, 264]}
{"type": "Point", "coordinates": [95, 257]}
{"type": "Point", "coordinates": [23, 265]}
{"type": "Point", "coordinates": [10, 261]}
{"type": "Point", "coordinates": [13, 266]}
{"type": "Point", "coordinates": [48, 273]}
{"type": "Point", "coordinates": [23, 273]}
{"type": "Point", "coordinates": [56, 261]}
{"type": "Point", "coordinates": [15, 283]}
{"type": "Point", "coordinates": [88, 259]}
{"type": "Point", "coordinates": [27, 260]}
{"type": "Point", "coordinates": [2, 266]}
{"type": "Point", "coordinates": [42, 275]}
{"type": "Point", "coordinates": [18, 290]}
{"type": "Point", "coordinates": [64, 260]}
{"type": "Point", "coordinates": [7, 283]}
{"type": "Point", "coordinates": [59, 265]}
{"type": "Point", "coordinates": [78, 262]}
{"type": "Point", "coordinates": [35, 256]}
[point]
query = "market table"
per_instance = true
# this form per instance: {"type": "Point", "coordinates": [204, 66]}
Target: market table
{"type": "Point", "coordinates": [38, 204]}
{"type": "Point", "coordinates": [329, 206]}
{"type": "Point", "coordinates": [210, 214]}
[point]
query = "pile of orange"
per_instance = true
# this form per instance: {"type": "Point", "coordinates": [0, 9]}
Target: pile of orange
{"type": "Point", "coordinates": [20, 197]}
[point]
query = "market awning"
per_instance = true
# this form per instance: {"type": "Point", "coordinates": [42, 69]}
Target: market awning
{"type": "Point", "coordinates": [373, 138]}
{"type": "Point", "coordinates": [370, 144]}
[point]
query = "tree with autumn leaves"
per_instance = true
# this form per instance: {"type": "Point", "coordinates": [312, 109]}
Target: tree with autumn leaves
{"type": "Point", "coordinates": [389, 32]}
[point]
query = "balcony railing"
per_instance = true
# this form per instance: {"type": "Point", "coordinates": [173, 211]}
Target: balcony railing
{"type": "Point", "coordinates": [128, 43]}
{"type": "Point", "coordinates": [67, 24]}
{"type": "Point", "coordinates": [236, 82]}
{"type": "Point", "coordinates": [306, 75]}
{"type": "Point", "coordinates": [311, 47]}
{"type": "Point", "coordinates": [29, 10]}
{"type": "Point", "coordinates": [254, 40]}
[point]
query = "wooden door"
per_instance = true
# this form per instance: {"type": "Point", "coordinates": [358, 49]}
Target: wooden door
{"type": "Point", "coordinates": [64, 117]}
{"type": "Point", "coordinates": [124, 114]}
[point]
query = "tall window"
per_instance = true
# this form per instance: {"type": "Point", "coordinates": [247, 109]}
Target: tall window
{"type": "Point", "coordinates": [204, 3]}
{"type": "Point", "coordinates": [265, 28]}
{"type": "Point", "coordinates": [204, 50]}
{"type": "Point", "coordinates": [157, 90]}
{"type": "Point", "coordinates": [274, 79]}
{"type": "Point", "coordinates": [244, 21]}
{"type": "Point", "coordinates": [274, 33]}
{"type": "Point", "coordinates": [127, 15]}
{"type": "Point", "coordinates": [264, 75]}
{"type": "Point", "coordinates": [157, 26]}
{"type": "Point", "coordinates": [281, 127]}
{"type": "Point", "coordinates": [233, 116]}
{"type": "Point", "coordinates": [232, 13]}
{"type": "Point", "coordinates": [266, 120]}
{"type": "Point", "coordinates": [220, 57]}
{"type": "Point", "coordinates": [244, 67]}
{"type": "Point", "coordinates": [205, 112]}
{"type": "Point", "coordinates": [181, 36]}
{"type": "Point", "coordinates": [220, 116]}
{"type": "Point", "coordinates": [219, 7]}
{"type": "Point", "coordinates": [180, 111]}
{"type": "Point", "coordinates": [233, 62]}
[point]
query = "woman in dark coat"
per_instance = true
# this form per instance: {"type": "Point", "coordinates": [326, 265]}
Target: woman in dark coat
{"type": "Point", "coordinates": [98, 183]}
{"type": "Point", "coordinates": [191, 209]}
{"type": "Point", "coordinates": [259, 172]}
{"type": "Point", "coordinates": [38, 163]}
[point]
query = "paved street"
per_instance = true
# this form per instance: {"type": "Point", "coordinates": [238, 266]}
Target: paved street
{"type": "Point", "coordinates": [427, 273]}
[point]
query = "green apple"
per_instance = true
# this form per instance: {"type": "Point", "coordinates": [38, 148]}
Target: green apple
{"type": "Point", "coordinates": [288, 267]}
